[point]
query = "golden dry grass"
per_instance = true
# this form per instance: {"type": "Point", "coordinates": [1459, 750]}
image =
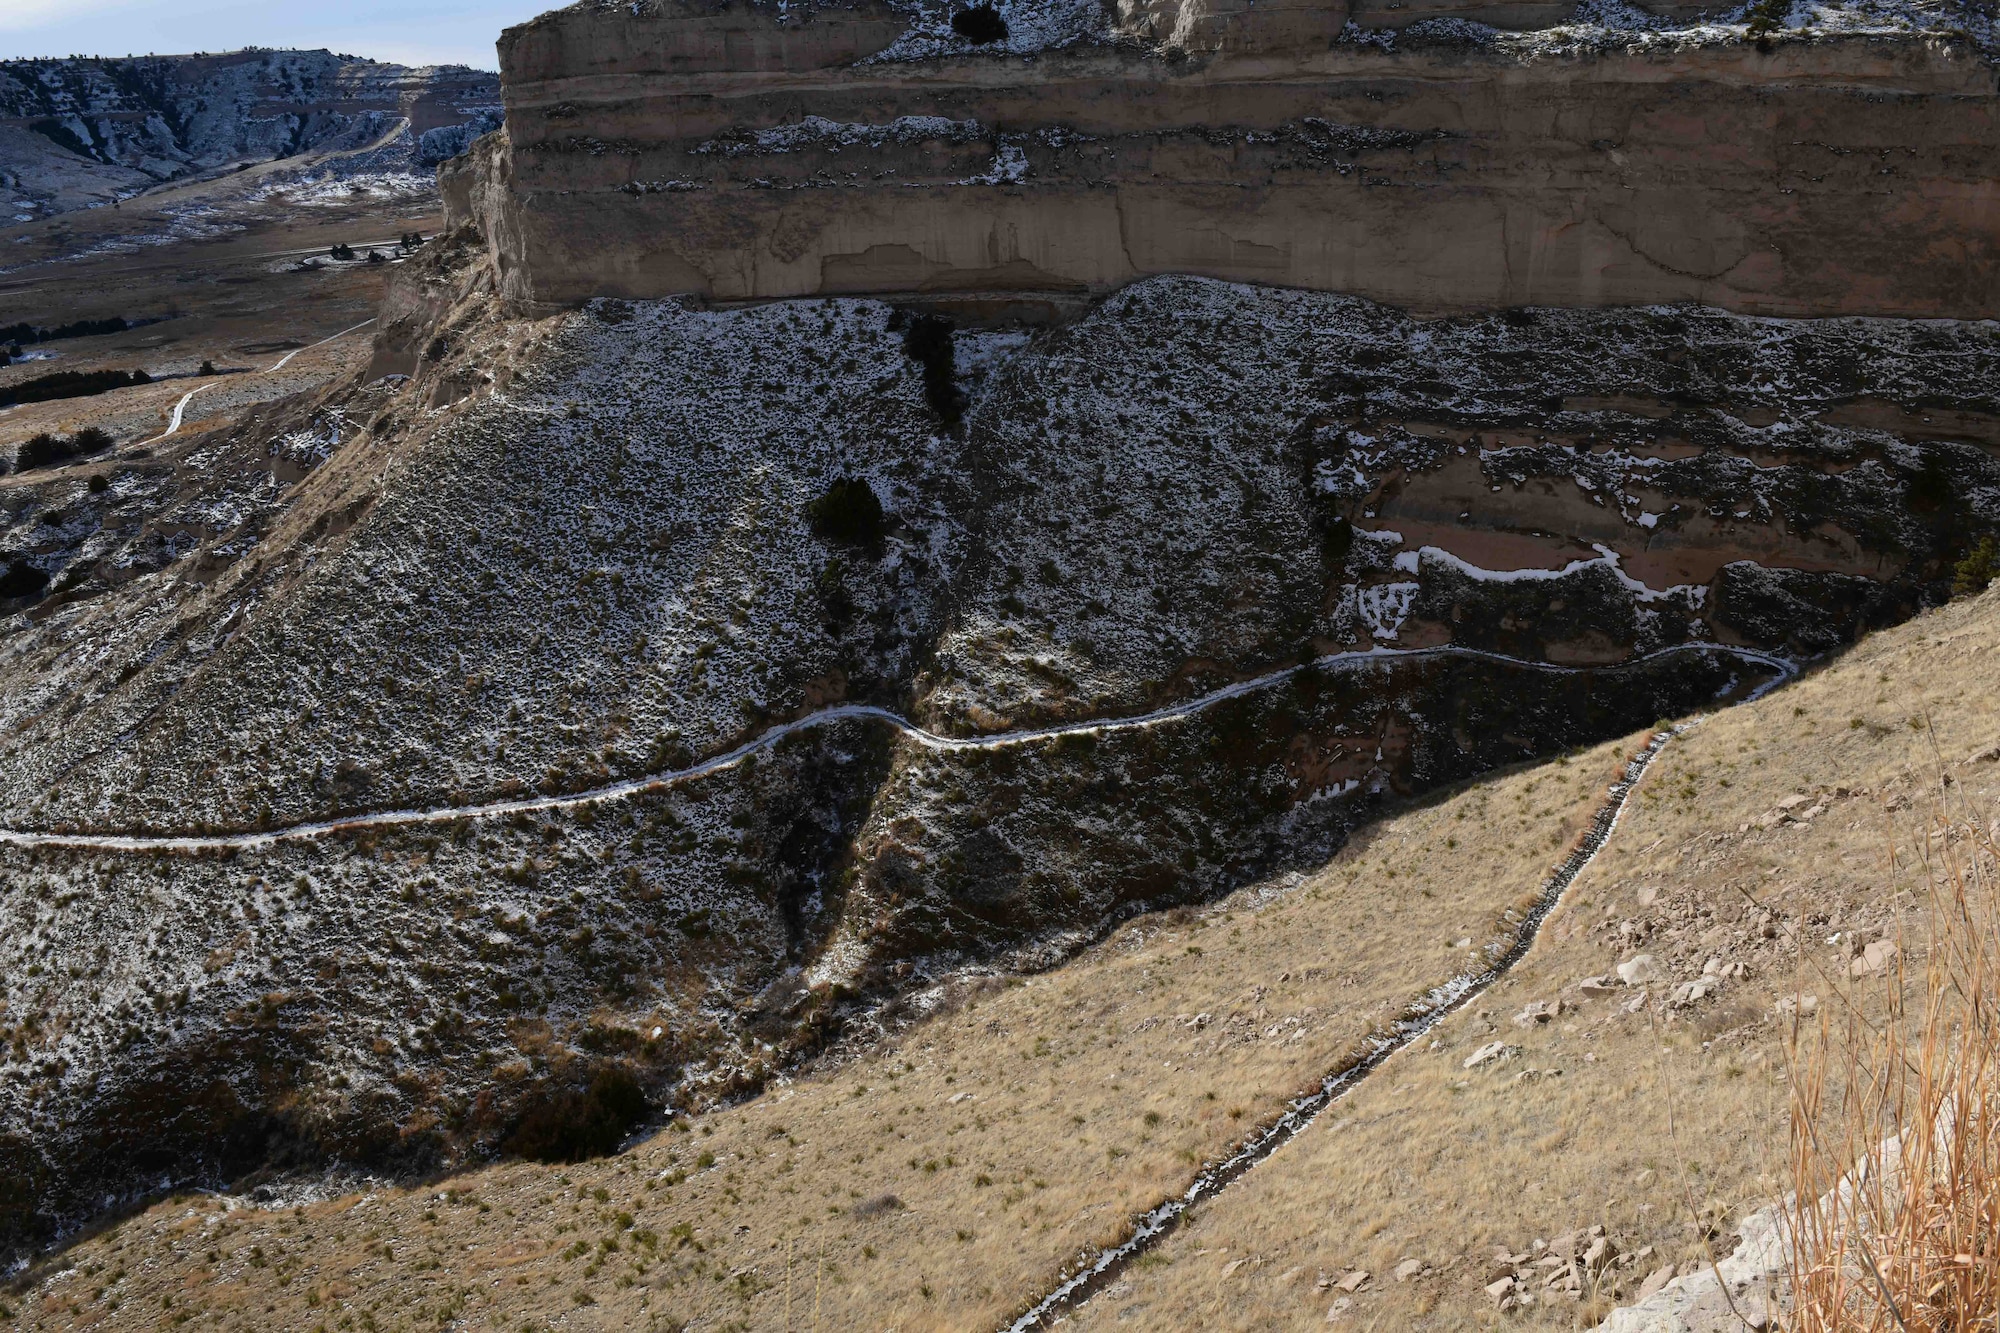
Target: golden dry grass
{"type": "Point", "coordinates": [1662, 1129]}
{"type": "Point", "coordinates": [1895, 1211]}
{"type": "Point", "coordinates": [1030, 1121]}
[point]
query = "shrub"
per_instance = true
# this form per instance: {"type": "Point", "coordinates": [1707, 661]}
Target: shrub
{"type": "Point", "coordinates": [1766, 17]}
{"type": "Point", "coordinates": [979, 25]}
{"type": "Point", "coordinates": [89, 440]}
{"type": "Point", "coordinates": [70, 384]}
{"type": "Point", "coordinates": [1980, 567]}
{"type": "Point", "coordinates": [42, 450]}
{"type": "Point", "coordinates": [927, 341]}
{"type": "Point", "coordinates": [207, 367]}
{"type": "Point", "coordinates": [849, 515]}
{"type": "Point", "coordinates": [81, 328]}
{"type": "Point", "coordinates": [572, 1125]}
{"type": "Point", "coordinates": [22, 580]}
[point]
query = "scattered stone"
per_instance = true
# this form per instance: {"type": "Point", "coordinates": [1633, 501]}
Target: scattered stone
{"type": "Point", "coordinates": [1338, 1310]}
{"type": "Point", "coordinates": [1640, 971]}
{"type": "Point", "coordinates": [1408, 1269]}
{"type": "Point", "coordinates": [1538, 1011]}
{"type": "Point", "coordinates": [1354, 1281]}
{"type": "Point", "coordinates": [1598, 987]}
{"type": "Point", "coordinates": [1655, 1280]}
{"type": "Point", "coordinates": [1487, 1054]}
{"type": "Point", "coordinates": [1501, 1292]}
{"type": "Point", "coordinates": [1690, 992]}
{"type": "Point", "coordinates": [1802, 1004]}
{"type": "Point", "coordinates": [1873, 958]}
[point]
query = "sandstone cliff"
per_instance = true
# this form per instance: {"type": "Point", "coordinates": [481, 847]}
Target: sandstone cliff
{"type": "Point", "coordinates": [739, 152]}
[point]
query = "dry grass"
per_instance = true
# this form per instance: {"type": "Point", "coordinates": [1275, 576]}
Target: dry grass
{"type": "Point", "coordinates": [1663, 1127]}
{"type": "Point", "coordinates": [1895, 1219]}
{"type": "Point", "coordinates": [936, 1182]}
{"type": "Point", "coordinates": [1030, 1121]}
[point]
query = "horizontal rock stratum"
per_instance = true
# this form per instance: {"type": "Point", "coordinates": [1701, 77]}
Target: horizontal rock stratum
{"type": "Point", "coordinates": [740, 151]}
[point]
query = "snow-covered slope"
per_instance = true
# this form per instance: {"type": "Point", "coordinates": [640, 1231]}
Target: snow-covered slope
{"type": "Point", "coordinates": [82, 132]}
{"type": "Point", "coordinates": [610, 542]}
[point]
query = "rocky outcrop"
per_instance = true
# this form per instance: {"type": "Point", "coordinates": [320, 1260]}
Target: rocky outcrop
{"type": "Point", "coordinates": [743, 151]}
{"type": "Point", "coordinates": [83, 131]}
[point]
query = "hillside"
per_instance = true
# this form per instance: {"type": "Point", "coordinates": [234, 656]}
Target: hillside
{"type": "Point", "coordinates": [582, 554]}
{"type": "Point", "coordinates": [84, 132]}
{"type": "Point", "coordinates": [944, 1177]}
{"type": "Point", "coordinates": [1188, 663]}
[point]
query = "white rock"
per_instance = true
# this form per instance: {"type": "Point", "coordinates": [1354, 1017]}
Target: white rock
{"type": "Point", "coordinates": [1487, 1054]}
{"type": "Point", "coordinates": [1873, 958]}
{"type": "Point", "coordinates": [1408, 1269]}
{"type": "Point", "coordinates": [1639, 971]}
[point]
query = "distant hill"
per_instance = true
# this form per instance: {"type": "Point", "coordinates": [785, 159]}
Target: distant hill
{"type": "Point", "coordinates": [79, 133]}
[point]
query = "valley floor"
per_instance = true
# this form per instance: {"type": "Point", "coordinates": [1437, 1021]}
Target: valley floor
{"type": "Point", "coordinates": [949, 1174]}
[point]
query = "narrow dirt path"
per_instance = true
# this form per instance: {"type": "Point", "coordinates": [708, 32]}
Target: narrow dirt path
{"type": "Point", "coordinates": [1098, 1271]}
{"type": "Point", "coordinates": [180, 408]}
{"type": "Point", "coordinates": [1780, 668]}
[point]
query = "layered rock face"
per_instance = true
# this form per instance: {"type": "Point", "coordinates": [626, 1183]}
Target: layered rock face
{"type": "Point", "coordinates": [741, 152]}
{"type": "Point", "coordinates": [79, 132]}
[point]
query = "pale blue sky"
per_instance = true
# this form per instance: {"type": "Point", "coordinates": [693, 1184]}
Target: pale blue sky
{"type": "Point", "coordinates": [413, 32]}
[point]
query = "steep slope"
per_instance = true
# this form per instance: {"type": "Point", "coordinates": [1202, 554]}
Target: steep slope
{"type": "Point", "coordinates": [82, 132]}
{"type": "Point", "coordinates": [945, 1178]}
{"type": "Point", "coordinates": [606, 544]}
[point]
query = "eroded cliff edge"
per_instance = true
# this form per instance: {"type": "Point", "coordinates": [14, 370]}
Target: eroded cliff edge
{"type": "Point", "coordinates": [743, 152]}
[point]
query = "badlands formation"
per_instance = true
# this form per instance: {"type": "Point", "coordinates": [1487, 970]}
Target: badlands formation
{"type": "Point", "coordinates": [84, 132]}
{"type": "Point", "coordinates": [867, 505]}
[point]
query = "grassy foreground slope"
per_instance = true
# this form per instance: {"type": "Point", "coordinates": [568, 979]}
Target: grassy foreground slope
{"type": "Point", "coordinates": [942, 1178]}
{"type": "Point", "coordinates": [1662, 1123]}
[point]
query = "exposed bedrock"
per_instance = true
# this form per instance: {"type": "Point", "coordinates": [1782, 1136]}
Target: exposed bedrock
{"type": "Point", "coordinates": [729, 152]}
{"type": "Point", "coordinates": [623, 538]}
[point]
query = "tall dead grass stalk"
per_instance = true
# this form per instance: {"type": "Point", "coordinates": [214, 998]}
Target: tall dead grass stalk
{"type": "Point", "coordinates": [1894, 1223]}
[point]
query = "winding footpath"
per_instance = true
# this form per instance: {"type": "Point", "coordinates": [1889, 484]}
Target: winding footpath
{"type": "Point", "coordinates": [180, 408]}
{"type": "Point", "coordinates": [1780, 669]}
{"type": "Point", "coordinates": [1097, 1271]}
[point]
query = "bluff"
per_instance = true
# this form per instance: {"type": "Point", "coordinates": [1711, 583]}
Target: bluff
{"type": "Point", "coordinates": [748, 151]}
{"type": "Point", "coordinates": [81, 132]}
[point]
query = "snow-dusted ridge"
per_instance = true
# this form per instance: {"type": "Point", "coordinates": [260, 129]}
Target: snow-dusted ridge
{"type": "Point", "coordinates": [1783, 670]}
